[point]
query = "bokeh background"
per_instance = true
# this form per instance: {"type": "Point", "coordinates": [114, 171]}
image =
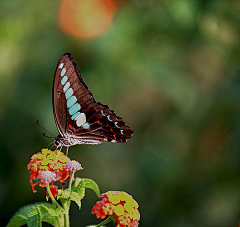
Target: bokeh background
{"type": "Point", "coordinates": [170, 68]}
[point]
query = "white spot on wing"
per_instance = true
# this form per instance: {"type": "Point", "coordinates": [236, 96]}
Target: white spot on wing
{"type": "Point", "coordinates": [60, 66]}
{"type": "Point", "coordinates": [80, 119]}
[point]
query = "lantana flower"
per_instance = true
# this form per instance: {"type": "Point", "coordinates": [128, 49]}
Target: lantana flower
{"type": "Point", "coordinates": [47, 177]}
{"type": "Point", "coordinates": [52, 162]}
{"type": "Point", "coordinates": [73, 166]}
{"type": "Point", "coordinates": [120, 206]}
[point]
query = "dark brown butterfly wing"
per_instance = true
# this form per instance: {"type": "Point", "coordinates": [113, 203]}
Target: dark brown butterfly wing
{"type": "Point", "coordinates": [77, 113]}
{"type": "Point", "coordinates": [105, 125]}
{"type": "Point", "coordinates": [68, 83]}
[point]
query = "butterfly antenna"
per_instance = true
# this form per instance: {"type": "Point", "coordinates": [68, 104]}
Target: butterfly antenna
{"type": "Point", "coordinates": [44, 134]}
{"type": "Point", "coordinates": [46, 131]}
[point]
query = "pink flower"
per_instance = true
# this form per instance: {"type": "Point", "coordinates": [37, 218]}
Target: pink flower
{"type": "Point", "coordinates": [46, 177]}
{"type": "Point", "coordinates": [73, 166]}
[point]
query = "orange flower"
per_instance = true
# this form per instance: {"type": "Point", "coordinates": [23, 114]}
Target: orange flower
{"type": "Point", "coordinates": [121, 206]}
{"type": "Point", "coordinates": [47, 160]}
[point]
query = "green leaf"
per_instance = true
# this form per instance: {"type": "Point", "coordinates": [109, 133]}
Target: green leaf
{"type": "Point", "coordinates": [17, 220]}
{"type": "Point", "coordinates": [43, 208]}
{"type": "Point", "coordinates": [59, 195]}
{"type": "Point", "coordinates": [65, 194]}
{"type": "Point", "coordinates": [49, 212]}
{"type": "Point", "coordinates": [79, 187]}
{"type": "Point", "coordinates": [34, 214]}
{"type": "Point", "coordinates": [76, 198]}
{"type": "Point", "coordinates": [34, 218]}
{"type": "Point", "coordinates": [49, 219]}
{"type": "Point", "coordinates": [76, 181]}
{"type": "Point", "coordinates": [81, 183]}
{"type": "Point", "coordinates": [21, 216]}
{"type": "Point", "coordinates": [54, 211]}
{"type": "Point", "coordinates": [92, 185]}
{"type": "Point", "coordinates": [64, 201]}
{"type": "Point", "coordinates": [46, 206]}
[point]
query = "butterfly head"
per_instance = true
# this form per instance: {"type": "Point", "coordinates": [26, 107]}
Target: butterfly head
{"type": "Point", "coordinates": [58, 141]}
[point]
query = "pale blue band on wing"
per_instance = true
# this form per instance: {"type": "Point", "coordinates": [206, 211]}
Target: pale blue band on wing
{"type": "Point", "coordinates": [108, 117]}
{"type": "Point", "coordinates": [121, 131]}
{"type": "Point", "coordinates": [71, 101]}
{"type": "Point", "coordinates": [72, 105]}
{"type": "Point", "coordinates": [67, 85]}
{"type": "Point", "coordinates": [64, 80]}
{"type": "Point", "coordinates": [86, 126]}
{"type": "Point", "coordinates": [116, 124]}
{"type": "Point", "coordinates": [69, 93]}
{"type": "Point", "coordinates": [63, 72]}
{"type": "Point", "coordinates": [75, 115]}
{"type": "Point", "coordinates": [76, 107]}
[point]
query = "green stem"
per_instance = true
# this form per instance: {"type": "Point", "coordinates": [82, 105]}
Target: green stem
{"type": "Point", "coordinates": [70, 183]}
{"type": "Point", "coordinates": [58, 221]}
{"type": "Point", "coordinates": [57, 205]}
{"type": "Point", "coordinates": [67, 204]}
{"type": "Point", "coordinates": [66, 215]}
{"type": "Point", "coordinates": [52, 198]}
{"type": "Point", "coordinates": [104, 222]}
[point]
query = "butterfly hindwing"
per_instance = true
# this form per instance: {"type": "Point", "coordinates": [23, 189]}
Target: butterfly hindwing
{"type": "Point", "coordinates": [105, 125]}
{"type": "Point", "coordinates": [77, 113]}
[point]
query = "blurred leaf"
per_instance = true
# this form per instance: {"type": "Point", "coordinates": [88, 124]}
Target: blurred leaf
{"type": "Point", "coordinates": [30, 212]}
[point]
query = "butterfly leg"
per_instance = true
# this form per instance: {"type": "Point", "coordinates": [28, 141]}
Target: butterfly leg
{"type": "Point", "coordinates": [58, 153]}
{"type": "Point", "coordinates": [67, 151]}
{"type": "Point", "coordinates": [51, 146]}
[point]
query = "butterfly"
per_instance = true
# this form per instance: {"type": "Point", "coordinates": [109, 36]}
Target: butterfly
{"type": "Point", "coordinates": [78, 117]}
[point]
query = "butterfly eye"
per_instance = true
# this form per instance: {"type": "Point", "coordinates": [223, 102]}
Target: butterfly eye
{"type": "Point", "coordinates": [56, 142]}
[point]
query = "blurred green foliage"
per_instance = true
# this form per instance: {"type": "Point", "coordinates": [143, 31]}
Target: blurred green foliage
{"type": "Point", "coordinates": [170, 68]}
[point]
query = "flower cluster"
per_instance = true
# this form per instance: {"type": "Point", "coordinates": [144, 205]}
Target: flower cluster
{"type": "Point", "coordinates": [48, 165]}
{"type": "Point", "coordinates": [47, 177]}
{"type": "Point", "coordinates": [73, 166]}
{"type": "Point", "coordinates": [120, 206]}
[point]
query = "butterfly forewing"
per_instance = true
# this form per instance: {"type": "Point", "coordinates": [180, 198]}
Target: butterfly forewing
{"type": "Point", "coordinates": [77, 113]}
